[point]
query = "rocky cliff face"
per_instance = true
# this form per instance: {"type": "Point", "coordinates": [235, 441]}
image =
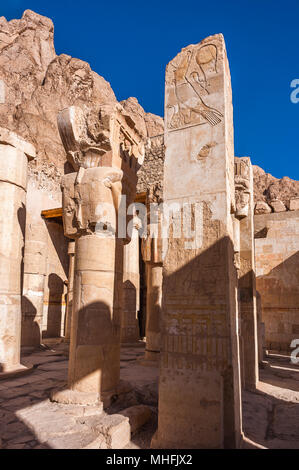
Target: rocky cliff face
{"type": "Point", "coordinates": [149, 124]}
{"type": "Point", "coordinates": [36, 84]}
{"type": "Point", "coordinates": [273, 194]}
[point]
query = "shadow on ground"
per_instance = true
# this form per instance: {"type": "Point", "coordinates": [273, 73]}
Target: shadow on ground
{"type": "Point", "coordinates": [28, 420]}
{"type": "Point", "coordinates": [271, 414]}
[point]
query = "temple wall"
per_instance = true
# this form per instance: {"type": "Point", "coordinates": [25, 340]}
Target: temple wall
{"type": "Point", "coordinates": [45, 267]}
{"type": "Point", "coordinates": [277, 276]}
{"type": "Point", "coordinates": [55, 287]}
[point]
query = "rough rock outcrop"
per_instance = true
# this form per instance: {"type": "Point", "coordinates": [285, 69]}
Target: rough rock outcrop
{"type": "Point", "coordinates": [149, 124]}
{"type": "Point", "coordinates": [36, 84]}
{"type": "Point", "coordinates": [261, 207]}
{"type": "Point", "coordinates": [269, 189]}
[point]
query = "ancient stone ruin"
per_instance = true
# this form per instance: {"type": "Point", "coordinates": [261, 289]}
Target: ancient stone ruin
{"type": "Point", "coordinates": [149, 276]}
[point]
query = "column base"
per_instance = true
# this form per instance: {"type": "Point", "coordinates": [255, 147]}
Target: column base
{"type": "Point", "coordinates": [16, 371]}
{"type": "Point", "coordinates": [150, 359]}
{"type": "Point", "coordinates": [73, 397]}
{"type": "Point", "coordinates": [157, 443]}
{"type": "Point", "coordinates": [129, 335]}
{"type": "Point", "coordinates": [154, 442]}
{"type": "Point", "coordinates": [264, 364]}
{"type": "Point", "coordinates": [129, 342]}
{"type": "Point", "coordinates": [67, 396]}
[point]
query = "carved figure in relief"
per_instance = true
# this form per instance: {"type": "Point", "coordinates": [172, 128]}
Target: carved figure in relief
{"type": "Point", "coordinates": [205, 151]}
{"type": "Point", "coordinates": [242, 187]}
{"type": "Point", "coordinates": [206, 59]}
{"type": "Point", "coordinates": [191, 81]}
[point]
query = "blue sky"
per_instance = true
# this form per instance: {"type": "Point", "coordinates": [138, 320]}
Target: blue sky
{"type": "Point", "coordinates": [130, 42]}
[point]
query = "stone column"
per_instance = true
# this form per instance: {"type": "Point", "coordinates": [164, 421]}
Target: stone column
{"type": "Point", "coordinates": [199, 383]}
{"type": "Point", "coordinates": [95, 330]}
{"type": "Point", "coordinates": [70, 288]}
{"type": "Point", "coordinates": [106, 169]}
{"type": "Point", "coordinates": [152, 256]}
{"type": "Point", "coordinates": [35, 268]}
{"type": "Point", "coordinates": [246, 271]}
{"type": "Point", "coordinates": [153, 311]}
{"type": "Point", "coordinates": [131, 284]}
{"type": "Point", "coordinates": [260, 329]}
{"type": "Point", "coordinates": [14, 155]}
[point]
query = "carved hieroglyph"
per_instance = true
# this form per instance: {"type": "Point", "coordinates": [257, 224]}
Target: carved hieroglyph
{"type": "Point", "coordinates": [199, 385]}
{"type": "Point", "coordinates": [190, 78]}
{"type": "Point", "coordinates": [106, 151]}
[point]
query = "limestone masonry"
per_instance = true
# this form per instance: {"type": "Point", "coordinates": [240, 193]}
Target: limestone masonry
{"type": "Point", "coordinates": [149, 293]}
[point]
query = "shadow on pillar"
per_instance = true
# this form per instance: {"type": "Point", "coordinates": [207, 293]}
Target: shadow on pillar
{"type": "Point", "coordinates": [199, 385]}
{"type": "Point", "coordinates": [22, 222]}
{"type": "Point", "coordinates": [30, 331]}
{"type": "Point", "coordinates": [60, 243]}
{"type": "Point", "coordinates": [142, 294]}
{"type": "Point", "coordinates": [66, 307]}
{"type": "Point", "coordinates": [94, 361]}
{"type": "Point", "coordinates": [54, 317]}
{"type": "Point", "coordinates": [249, 330]}
{"type": "Point", "coordinates": [97, 349]}
{"type": "Point", "coordinates": [153, 325]}
{"type": "Point", "coordinates": [130, 326]}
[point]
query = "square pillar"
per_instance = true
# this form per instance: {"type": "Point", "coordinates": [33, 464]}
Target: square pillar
{"type": "Point", "coordinates": [199, 384]}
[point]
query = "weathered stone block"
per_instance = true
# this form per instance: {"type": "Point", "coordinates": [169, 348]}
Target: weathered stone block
{"type": "Point", "coordinates": [294, 204]}
{"type": "Point", "coordinates": [278, 206]}
{"type": "Point", "coordinates": [262, 207]}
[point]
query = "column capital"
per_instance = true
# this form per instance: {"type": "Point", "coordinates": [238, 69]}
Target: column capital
{"type": "Point", "coordinates": [242, 186]}
{"type": "Point", "coordinates": [10, 138]}
{"type": "Point", "coordinates": [109, 138]}
{"type": "Point", "coordinates": [90, 201]}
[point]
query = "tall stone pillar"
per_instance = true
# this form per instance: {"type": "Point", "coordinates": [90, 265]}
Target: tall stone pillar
{"type": "Point", "coordinates": [106, 169]}
{"type": "Point", "coordinates": [260, 329]}
{"type": "Point", "coordinates": [70, 288]}
{"type": "Point", "coordinates": [154, 276]}
{"type": "Point", "coordinates": [131, 288]}
{"type": "Point", "coordinates": [199, 382]}
{"type": "Point", "coordinates": [95, 331]}
{"type": "Point", "coordinates": [14, 155]}
{"type": "Point", "coordinates": [35, 268]}
{"type": "Point", "coordinates": [246, 271]}
{"type": "Point", "coordinates": [152, 256]}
